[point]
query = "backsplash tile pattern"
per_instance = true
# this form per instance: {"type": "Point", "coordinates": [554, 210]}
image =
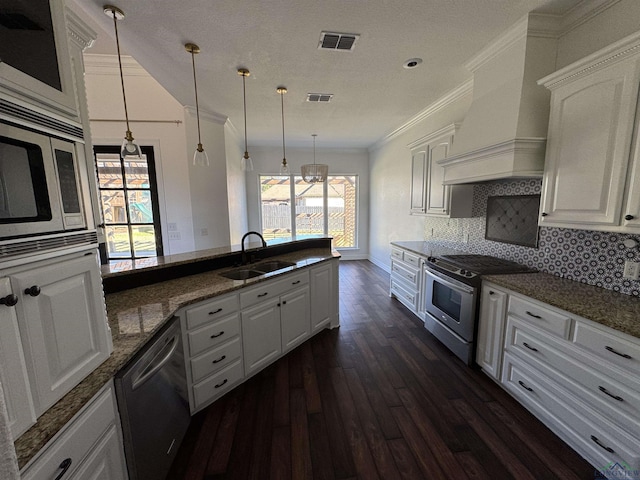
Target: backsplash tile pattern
{"type": "Point", "coordinates": [595, 258]}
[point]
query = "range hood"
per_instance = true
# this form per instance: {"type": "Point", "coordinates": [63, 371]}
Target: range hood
{"type": "Point", "coordinates": [504, 132]}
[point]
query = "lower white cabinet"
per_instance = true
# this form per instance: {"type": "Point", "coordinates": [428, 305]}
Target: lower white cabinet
{"type": "Point", "coordinates": [88, 447]}
{"type": "Point", "coordinates": [577, 376]}
{"type": "Point", "coordinates": [261, 338]}
{"type": "Point", "coordinates": [406, 278]}
{"type": "Point", "coordinates": [321, 283]}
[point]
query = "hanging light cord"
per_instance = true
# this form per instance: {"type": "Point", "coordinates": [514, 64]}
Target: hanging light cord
{"type": "Point", "coordinates": [195, 86]}
{"type": "Point", "coordinates": [314, 148]}
{"type": "Point", "coordinates": [284, 157]}
{"type": "Point", "coordinates": [124, 97]}
{"type": "Point", "coordinates": [244, 99]}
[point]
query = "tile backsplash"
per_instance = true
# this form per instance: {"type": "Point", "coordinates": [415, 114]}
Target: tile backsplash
{"type": "Point", "coordinates": [596, 258]}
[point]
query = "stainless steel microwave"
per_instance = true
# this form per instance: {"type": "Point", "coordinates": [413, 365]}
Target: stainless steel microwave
{"type": "Point", "coordinates": [42, 184]}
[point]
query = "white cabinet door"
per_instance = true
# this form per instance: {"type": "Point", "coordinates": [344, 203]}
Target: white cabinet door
{"type": "Point", "coordinates": [294, 318]}
{"type": "Point", "coordinates": [13, 369]}
{"type": "Point", "coordinates": [261, 335]}
{"type": "Point", "coordinates": [438, 195]}
{"type": "Point", "coordinates": [321, 293]}
{"type": "Point", "coordinates": [106, 461]}
{"type": "Point", "coordinates": [588, 147]}
{"type": "Point", "coordinates": [418, 180]}
{"type": "Point", "coordinates": [493, 308]}
{"type": "Point", "coordinates": [63, 324]}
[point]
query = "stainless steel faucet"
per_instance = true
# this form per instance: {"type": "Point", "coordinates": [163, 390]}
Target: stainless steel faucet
{"type": "Point", "coordinates": [244, 254]}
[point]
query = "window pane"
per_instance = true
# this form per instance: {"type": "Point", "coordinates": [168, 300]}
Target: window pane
{"type": "Point", "coordinates": [144, 241]}
{"type": "Point", "coordinates": [118, 244]}
{"type": "Point", "coordinates": [309, 209]}
{"type": "Point", "coordinates": [109, 170]}
{"type": "Point", "coordinates": [113, 206]}
{"type": "Point", "coordinates": [140, 206]}
{"type": "Point", "coordinates": [275, 195]}
{"type": "Point", "coordinates": [137, 173]}
{"type": "Point", "coordinates": [342, 200]}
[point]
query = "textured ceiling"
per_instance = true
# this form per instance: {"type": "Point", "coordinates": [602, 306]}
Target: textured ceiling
{"type": "Point", "coordinates": [277, 41]}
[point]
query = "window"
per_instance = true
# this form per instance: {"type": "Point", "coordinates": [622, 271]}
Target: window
{"type": "Point", "coordinates": [129, 200]}
{"type": "Point", "coordinates": [293, 209]}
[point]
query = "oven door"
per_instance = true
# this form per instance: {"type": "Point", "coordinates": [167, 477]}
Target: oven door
{"type": "Point", "coordinates": [450, 302]}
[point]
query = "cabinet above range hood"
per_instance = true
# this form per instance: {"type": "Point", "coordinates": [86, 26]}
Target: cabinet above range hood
{"type": "Point", "coordinates": [504, 132]}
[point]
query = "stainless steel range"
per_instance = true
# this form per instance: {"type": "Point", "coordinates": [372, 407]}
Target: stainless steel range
{"type": "Point", "coordinates": [451, 296]}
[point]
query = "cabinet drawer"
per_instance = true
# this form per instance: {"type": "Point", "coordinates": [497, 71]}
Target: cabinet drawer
{"type": "Point", "coordinates": [215, 359]}
{"type": "Point", "coordinates": [409, 298]}
{"type": "Point", "coordinates": [397, 253]}
{"type": "Point", "coordinates": [412, 259]}
{"type": "Point", "coordinates": [273, 289]}
{"type": "Point", "coordinates": [214, 334]}
{"type": "Point", "coordinates": [212, 310]}
{"type": "Point", "coordinates": [405, 273]}
{"type": "Point", "coordinates": [76, 440]}
{"type": "Point", "coordinates": [215, 385]}
{"type": "Point", "coordinates": [580, 426]}
{"type": "Point", "coordinates": [549, 320]}
{"type": "Point", "coordinates": [609, 346]}
{"type": "Point", "coordinates": [614, 400]}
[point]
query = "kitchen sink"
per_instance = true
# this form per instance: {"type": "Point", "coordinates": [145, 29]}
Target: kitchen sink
{"type": "Point", "coordinates": [256, 270]}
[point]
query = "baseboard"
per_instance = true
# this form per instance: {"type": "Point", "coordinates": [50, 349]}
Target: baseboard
{"type": "Point", "coordinates": [381, 264]}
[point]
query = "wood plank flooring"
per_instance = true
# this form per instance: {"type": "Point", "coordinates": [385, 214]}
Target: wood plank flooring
{"type": "Point", "coordinates": [378, 398]}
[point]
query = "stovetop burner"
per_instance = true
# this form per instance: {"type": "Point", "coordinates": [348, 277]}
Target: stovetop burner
{"type": "Point", "coordinates": [468, 267]}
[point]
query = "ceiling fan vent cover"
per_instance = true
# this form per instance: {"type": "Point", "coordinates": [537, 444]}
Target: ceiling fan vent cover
{"type": "Point", "coordinates": [344, 42]}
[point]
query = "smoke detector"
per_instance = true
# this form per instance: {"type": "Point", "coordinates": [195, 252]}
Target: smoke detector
{"type": "Point", "coordinates": [319, 97]}
{"type": "Point", "coordinates": [343, 42]}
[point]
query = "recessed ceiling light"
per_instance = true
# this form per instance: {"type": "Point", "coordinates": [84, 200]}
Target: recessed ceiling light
{"type": "Point", "coordinates": [412, 63]}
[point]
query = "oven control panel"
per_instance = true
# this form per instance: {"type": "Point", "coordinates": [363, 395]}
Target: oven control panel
{"type": "Point", "coordinates": [444, 266]}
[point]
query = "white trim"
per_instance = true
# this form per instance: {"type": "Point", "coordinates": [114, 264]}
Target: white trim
{"type": "Point", "coordinates": [100, 64]}
{"type": "Point", "coordinates": [583, 12]}
{"type": "Point", "coordinates": [380, 264]}
{"type": "Point", "coordinates": [447, 99]}
{"type": "Point", "coordinates": [206, 115]}
{"type": "Point", "coordinates": [445, 131]}
{"type": "Point", "coordinates": [79, 32]}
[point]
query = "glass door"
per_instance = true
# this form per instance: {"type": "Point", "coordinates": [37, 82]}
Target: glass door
{"type": "Point", "coordinates": [129, 199]}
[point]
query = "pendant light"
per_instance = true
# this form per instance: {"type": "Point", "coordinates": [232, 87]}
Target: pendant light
{"type": "Point", "coordinates": [200, 157]}
{"type": "Point", "coordinates": [129, 149]}
{"type": "Point", "coordinates": [316, 172]}
{"type": "Point", "coordinates": [247, 163]}
{"type": "Point", "coordinates": [284, 167]}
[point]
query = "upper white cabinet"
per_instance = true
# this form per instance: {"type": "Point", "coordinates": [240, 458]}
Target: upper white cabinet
{"type": "Point", "coordinates": [591, 178]}
{"type": "Point", "coordinates": [428, 194]}
{"type": "Point", "coordinates": [36, 66]}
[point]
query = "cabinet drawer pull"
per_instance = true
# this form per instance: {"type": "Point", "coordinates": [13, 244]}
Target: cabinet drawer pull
{"type": "Point", "coordinates": [66, 463]}
{"type": "Point", "coordinates": [601, 445]}
{"type": "Point", "coordinates": [219, 359]}
{"type": "Point", "coordinates": [533, 315]}
{"type": "Point", "coordinates": [491, 292]}
{"type": "Point", "coordinates": [533, 349]}
{"type": "Point", "coordinates": [629, 217]}
{"type": "Point", "coordinates": [607, 392]}
{"type": "Point", "coordinates": [263, 294]}
{"type": "Point", "coordinates": [613, 350]}
{"type": "Point", "coordinates": [523, 385]}
{"type": "Point", "coordinates": [10, 300]}
{"type": "Point", "coordinates": [220, 384]}
{"type": "Point", "coordinates": [215, 311]}
{"type": "Point", "coordinates": [296, 282]}
{"type": "Point", "coordinates": [215, 335]}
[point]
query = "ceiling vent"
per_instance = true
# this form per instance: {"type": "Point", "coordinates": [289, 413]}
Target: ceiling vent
{"type": "Point", "coordinates": [319, 97]}
{"type": "Point", "coordinates": [337, 41]}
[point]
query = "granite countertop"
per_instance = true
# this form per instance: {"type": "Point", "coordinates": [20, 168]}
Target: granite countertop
{"type": "Point", "coordinates": [134, 316]}
{"type": "Point", "coordinates": [427, 249]}
{"type": "Point", "coordinates": [612, 309]}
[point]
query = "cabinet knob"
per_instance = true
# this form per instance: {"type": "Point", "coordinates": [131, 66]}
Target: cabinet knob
{"type": "Point", "coordinates": [10, 300]}
{"type": "Point", "coordinates": [629, 217]}
{"type": "Point", "coordinates": [544, 214]}
{"type": "Point", "coordinates": [34, 291]}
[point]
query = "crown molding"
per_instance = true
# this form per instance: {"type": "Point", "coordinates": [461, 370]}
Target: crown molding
{"type": "Point", "coordinates": [462, 90]}
{"type": "Point", "coordinates": [206, 115]}
{"type": "Point", "coordinates": [79, 32]}
{"type": "Point", "coordinates": [583, 12]}
{"type": "Point", "coordinates": [100, 64]}
{"type": "Point", "coordinates": [445, 131]}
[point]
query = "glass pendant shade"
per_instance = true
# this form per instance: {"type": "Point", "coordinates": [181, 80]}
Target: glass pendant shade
{"type": "Point", "coordinates": [247, 163]}
{"type": "Point", "coordinates": [284, 167]}
{"type": "Point", "coordinates": [200, 157]}
{"type": "Point", "coordinates": [314, 172]}
{"type": "Point", "coordinates": [130, 149]}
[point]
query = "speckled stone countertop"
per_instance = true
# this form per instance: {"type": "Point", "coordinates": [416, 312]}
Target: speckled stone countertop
{"type": "Point", "coordinates": [134, 316]}
{"type": "Point", "coordinates": [609, 308]}
{"type": "Point", "coordinates": [427, 249]}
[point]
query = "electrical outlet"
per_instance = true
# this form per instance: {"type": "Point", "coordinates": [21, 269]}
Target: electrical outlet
{"type": "Point", "coordinates": [172, 227]}
{"type": "Point", "coordinates": [204, 232]}
{"type": "Point", "coordinates": [631, 270]}
{"type": "Point", "coordinates": [174, 235]}
{"type": "Point", "coordinates": [466, 238]}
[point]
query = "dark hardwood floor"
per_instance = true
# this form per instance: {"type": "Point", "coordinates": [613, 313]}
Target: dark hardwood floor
{"type": "Point", "coordinates": [378, 398]}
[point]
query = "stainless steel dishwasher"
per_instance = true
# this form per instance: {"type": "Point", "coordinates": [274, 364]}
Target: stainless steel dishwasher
{"type": "Point", "coordinates": [154, 408]}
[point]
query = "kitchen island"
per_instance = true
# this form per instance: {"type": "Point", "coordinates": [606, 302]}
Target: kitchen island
{"type": "Point", "coordinates": [136, 314]}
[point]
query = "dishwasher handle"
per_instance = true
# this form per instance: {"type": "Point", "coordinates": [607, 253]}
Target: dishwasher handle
{"type": "Point", "coordinates": [153, 366]}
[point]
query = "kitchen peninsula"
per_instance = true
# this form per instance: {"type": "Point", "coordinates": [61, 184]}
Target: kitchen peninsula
{"type": "Point", "coordinates": [135, 314]}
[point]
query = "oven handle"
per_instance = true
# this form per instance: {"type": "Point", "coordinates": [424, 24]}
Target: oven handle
{"type": "Point", "coordinates": [449, 283]}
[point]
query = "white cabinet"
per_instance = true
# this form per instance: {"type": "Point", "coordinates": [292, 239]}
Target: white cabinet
{"type": "Point", "coordinates": [88, 447]}
{"type": "Point", "coordinates": [428, 194]}
{"type": "Point", "coordinates": [321, 300]}
{"type": "Point", "coordinates": [295, 318]}
{"type": "Point", "coordinates": [406, 278]}
{"type": "Point", "coordinates": [261, 336]}
{"type": "Point", "coordinates": [493, 310]}
{"type": "Point", "coordinates": [591, 169]}
{"type": "Point", "coordinates": [62, 323]}
{"type": "Point", "coordinates": [13, 369]}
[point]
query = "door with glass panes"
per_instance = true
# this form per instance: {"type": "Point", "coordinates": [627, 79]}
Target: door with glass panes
{"type": "Point", "coordinates": [129, 199]}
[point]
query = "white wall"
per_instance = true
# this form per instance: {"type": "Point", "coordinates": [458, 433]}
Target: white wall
{"type": "Point", "coordinates": [266, 161]}
{"type": "Point", "coordinates": [236, 185]}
